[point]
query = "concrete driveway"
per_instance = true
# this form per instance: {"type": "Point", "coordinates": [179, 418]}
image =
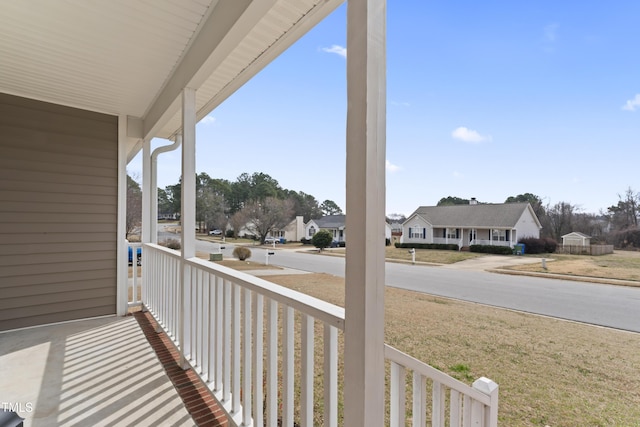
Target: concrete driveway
{"type": "Point", "coordinates": [492, 262]}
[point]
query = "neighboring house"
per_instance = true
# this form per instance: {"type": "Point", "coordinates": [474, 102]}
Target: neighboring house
{"type": "Point", "coordinates": [292, 232]}
{"type": "Point", "coordinates": [576, 239]}
{"type": "Point", "coordinates": [395, 232]}
{"type": "Point", "coordinates": [472, 224]}
{"type": "Point", "coordinates": [335, 224]}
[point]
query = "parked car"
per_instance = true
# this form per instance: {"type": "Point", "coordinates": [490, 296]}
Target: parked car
{"type": "Point", "coordinates": [138, 255]}
{"type": "Point", "coordinates": [271, 240]}
{"type": "Point", "coordinates": [215, 232]}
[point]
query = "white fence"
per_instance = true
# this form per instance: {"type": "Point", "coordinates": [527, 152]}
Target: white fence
{"type": "Point", "coordinates": [248, 339]}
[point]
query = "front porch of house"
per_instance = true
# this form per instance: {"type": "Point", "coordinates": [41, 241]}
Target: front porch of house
{"type": "Point", "coordinates": [464, 237]}
{"type": "Point", "coordinates": [100, 371]}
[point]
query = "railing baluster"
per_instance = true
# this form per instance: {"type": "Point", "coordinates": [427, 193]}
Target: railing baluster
{"type": "Point", "coordinates": [419, 400]}
{"type": "Point", "coordinates": [226, 381]}
{"type": "Point", "coordinates": [220, 335]}
{"type": "Point", "coordinates": [466, 411]}
{"type": "Point", "coordinates": [438, 414]}
{"type": "Point", "coordinates": [212, 331]}
{"type": "Point", "coordinates": [306, 384]}
{"type": "Point", "coordinates": [258, 354]}
{"type": "Point", "coordinates": [272, 363]}
{"type": "Point", "coordinates": [235, 387]}
{"type": "Point", "coordinates": [246, 360]}
{"type": "Point", "coordinates": [455, 408]}
{"type": "Point", "coordinates": [287, 368]}
{"type": "Point", "coordinates": [330, 376]}
{"type": "Point", "coordinates": [206, 336]}
{"type": "Point", "coordinates": [397, 393]}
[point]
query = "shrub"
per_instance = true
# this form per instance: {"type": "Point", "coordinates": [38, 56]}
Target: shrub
{"type": "Point", "coordinates": [550, 245]}
{"type": "Point", "coordinates": [533, 245]}
{"type": "Point", "coordinates": [441, 246]}
{"type": "Point", "coordinates": [387, 241]}
{"type": "Point", "coordinates": [173, 244]}
{"type": "Point", "coordinates": [242, 253]}
{"type": "Point", "coordinates": [305, 241]}
{"type": "Point", "coordinates": [228, 233]}
{"type": "Point", "coordinates": [322, 239]}
{"type": "Point", "coordinates": [488, 249]}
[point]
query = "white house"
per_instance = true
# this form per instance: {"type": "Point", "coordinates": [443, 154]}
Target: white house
{"type": "Point", "coordinates": [473, 224]}
{"type": "Point", "coordinates": [335, 224]}
{"type": "Point", "coordinates": [292, 232]}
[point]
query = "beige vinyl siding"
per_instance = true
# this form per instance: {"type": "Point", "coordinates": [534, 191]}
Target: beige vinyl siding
{"type": "Point", "coordinates": [58, 213]}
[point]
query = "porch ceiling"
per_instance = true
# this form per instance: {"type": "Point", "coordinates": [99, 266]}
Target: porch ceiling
{"type": "Point", "coordinates": [133, 57]}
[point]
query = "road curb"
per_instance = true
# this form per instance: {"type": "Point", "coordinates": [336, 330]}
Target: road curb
{"type": "Point", "coordinates": [588, 279]}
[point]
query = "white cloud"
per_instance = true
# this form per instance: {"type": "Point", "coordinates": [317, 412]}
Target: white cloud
{"type": "Point", "coordinates": [632, 104]}
{"type": "Point", "coordinates": [468, 135]}
{"type": "Point", "coordinates": [391, 168]}
{"type": "Point", "coordinates": [401, 104]}
{"type": "Point", "coordinates": [457, 175]}
{"type": "Point", "coordinates": [208, 120]}
{"type": "Point", "coordinates": [337, 49]}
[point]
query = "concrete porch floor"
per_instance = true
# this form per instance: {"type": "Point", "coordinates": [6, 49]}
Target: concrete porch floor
{"type": "Point", "coordinates": [98, 372]}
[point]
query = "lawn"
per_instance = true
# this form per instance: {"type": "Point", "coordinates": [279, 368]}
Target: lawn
{"type": "Point", "coordinates": [551, 372]}
{"type": "Point", "coordinates": [621, 265]}
{"type": "Point", "coordinates": [427, 256]}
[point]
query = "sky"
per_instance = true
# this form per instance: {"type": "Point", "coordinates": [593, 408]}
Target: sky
{"type": "Point", "coordinates": [484, 99]}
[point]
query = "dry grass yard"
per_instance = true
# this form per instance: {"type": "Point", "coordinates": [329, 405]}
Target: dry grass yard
{"type": "Point", "coordinates": [621, 265]}
{"type": "Point", "coordinates": [551, 372]}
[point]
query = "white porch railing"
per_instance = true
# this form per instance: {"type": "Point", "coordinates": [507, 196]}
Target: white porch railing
{"type": "Point", "coordinates": [467, 406]}
{"type": "Point", "coordinates": [229, 334]}
{"type": "Point", "coordinates": [134, 297]}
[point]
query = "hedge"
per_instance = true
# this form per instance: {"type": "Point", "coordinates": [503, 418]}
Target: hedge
{"type": "Point", "coordinates": [488, 249]}
{"type": "Point", "coordinates": [442, 246]}
{"type": "Point", "coordinates": [533, 245]}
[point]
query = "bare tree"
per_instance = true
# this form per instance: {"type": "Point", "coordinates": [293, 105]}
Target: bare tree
{"type": "Point", "coordinates": [134, 206]}
{"type": "Point", "coordinates": [624, 215]}
{"type": "Point", "coordinates": [267, 215]}
{"type": "Point", "coordinates": [561, 218]}
{"type": "Point", "coordinates": [237, 221]}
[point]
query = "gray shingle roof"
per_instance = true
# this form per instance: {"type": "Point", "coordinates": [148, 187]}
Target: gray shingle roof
{"type": "Point", "coordinates": [480, 215]}
{"type": "Point", "coordinates": [330, 221]}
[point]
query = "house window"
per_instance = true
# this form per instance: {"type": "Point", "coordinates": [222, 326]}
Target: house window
{"type": "Point", "coordinates": [452, 233]}
{"type": "Point", "coordinates": [312, 230]}
{"type": "Point", "coordinates": [499, 235]}
{"type": "Point", "coordinates": [416, 233]}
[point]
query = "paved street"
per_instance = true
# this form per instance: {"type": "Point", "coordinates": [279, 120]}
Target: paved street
{"type": "Point", "coordinates": [599, 304]}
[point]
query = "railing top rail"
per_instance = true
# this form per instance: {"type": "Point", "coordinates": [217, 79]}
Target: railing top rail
{"type": "Point", "coordinates": [317, 308]}
{"type": "Point", "coordinates": [416, 365]}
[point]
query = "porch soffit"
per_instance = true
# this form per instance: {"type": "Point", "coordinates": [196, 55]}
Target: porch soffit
{"type": "Point", "coordinates": [130, 57]}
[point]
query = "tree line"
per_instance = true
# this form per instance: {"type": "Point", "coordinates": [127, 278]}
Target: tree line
{"type": "Point", "coordinates": [617, 225]}
{"type": "Point", "coordinates": [255, 201]}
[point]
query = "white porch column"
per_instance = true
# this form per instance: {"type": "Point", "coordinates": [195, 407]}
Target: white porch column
{"type": "Point", "coordinates": [188, 213]}
{"type": "Point", "coordinates": [365, 195]}
{"type": "Point", "coordinates": [121, 230]}
{"type": "Point", "coordinates": [147, 192]}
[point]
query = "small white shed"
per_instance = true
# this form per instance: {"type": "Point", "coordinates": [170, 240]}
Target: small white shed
{"type": "Point", "coordinates": [576, 238]}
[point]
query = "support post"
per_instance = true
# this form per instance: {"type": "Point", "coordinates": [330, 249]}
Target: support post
{"type": "Point", "coordinates": [365, 195]}
{"type": "Point", "coordinates": [121, 266]}
{"type": "Point", "coordinates": [188, 210]}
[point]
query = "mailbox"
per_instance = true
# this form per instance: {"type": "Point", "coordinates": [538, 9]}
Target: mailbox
{"type": "Point", "coordinates": [270, 253]}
